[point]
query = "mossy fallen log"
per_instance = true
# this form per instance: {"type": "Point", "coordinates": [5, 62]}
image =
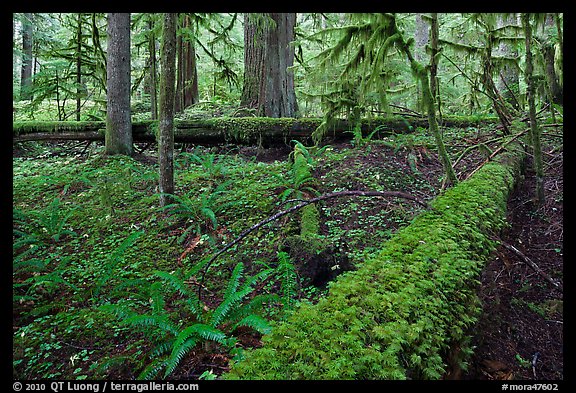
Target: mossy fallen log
{"type": "Point", "coordinates": [405, 310]}
{"type": "Point", "coordinates": [240, 130]}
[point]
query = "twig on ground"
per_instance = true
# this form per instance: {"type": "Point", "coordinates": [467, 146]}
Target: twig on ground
{"type": "Point", "coordinates": [533, 265]}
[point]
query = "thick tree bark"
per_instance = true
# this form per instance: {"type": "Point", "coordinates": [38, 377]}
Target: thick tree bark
{"type": "Point", "coordinates": [277, 97]}
{"type": "Point", "coordinates": [166, 122]}
{"type": "Point", "coordinates": [26, 71]}
{"type": "Point", "coordinates": [118, 120]}
{"type": "Point", "coordinates": [191, 94]}
{"type": "Point", "coordinates": [253, 61]}
{"type": "Point", "coordinates": [186, 77]}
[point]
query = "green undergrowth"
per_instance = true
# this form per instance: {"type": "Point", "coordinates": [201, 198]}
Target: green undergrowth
{"type": "Point", "coordinates": [102, 276]}
{"type": "Point", "coordinates": [404, 310]}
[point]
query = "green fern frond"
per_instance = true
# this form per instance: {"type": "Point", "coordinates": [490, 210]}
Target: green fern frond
{"type": "Point", "coordinates": [119, 310]}
{"type": "Point", "coordinates": [152, 370]}
{"type": "Point", "coordinates": [234, 280]}
{"type": "Point", "coordinates": [221, 312]}
{"type": "Point", "coordinates": [148, 320]}
{"type": "Point", "coordinates": [174, 282]}
{"type": "Point", "coordinates": [177, 355]}
{"type": "Point", "coordinates": [255, 322]}
{"type": "Point", "coordinates": [157, 298]}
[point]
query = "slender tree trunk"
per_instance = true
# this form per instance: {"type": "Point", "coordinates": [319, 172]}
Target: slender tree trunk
{"type": "Point", "coordinates": [421, 37]}
{"type": "Point", "coordinates": [166, 121]}
{"type": "Point", "coordinates": [429, 103]}
{"type": "Point", "coordinates": [434, 84]}
{"type": "Point", "coordinates": [118, 115]}
{"type": "Point", "coordinates": [534, 129]}
{"type": "Point", "coordinates": [26, 71]}
{"type": "Point", "coordinates": [152, 70]}
{"type": "Point", "coordinates": [78, 66]}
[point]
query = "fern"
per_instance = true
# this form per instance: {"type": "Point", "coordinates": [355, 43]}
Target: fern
{"type": "Point", "coordinates": [181, 287]}
{"type": "Point", "coordinates": [113, 260]}
{"type": "Point", "coordinates": [255, 322]}
{"type": "Point", "coordinates": [173, 340]}
{"type": "Point", "coordinates": [287, 276]}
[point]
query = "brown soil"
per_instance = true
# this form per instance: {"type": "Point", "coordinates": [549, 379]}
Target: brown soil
{"type": "Point", "coordinates": [520, 334]}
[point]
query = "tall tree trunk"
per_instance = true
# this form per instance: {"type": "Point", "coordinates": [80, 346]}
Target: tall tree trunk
{"type": "Point", "coordinates": [429, 103]}
{"type": "Point", "coordinates": [152, 70]}
{"type": "Point", "coordinates": [26, 71]}
{"type": "Point", "coordinates": [78, 66]}
{"type": "Point", "coordinates": [277, 97]}
{"type": "Point", "coordinates": [166, 121]}
{"type": "Point", "coordinates": [561, 47]}
{"type": "Point", "coordinates": [191, 94]}
{"type": "Point", "coordinates": [534, 129]}
{"type": "Point", "coordinates": [118, 119]}
{"type": "Point", "coordinates": [253, 61]}
{"type": "Point", "coordinates": [178, 74]}
{"type": "Point", "coordinates": [434, 84]}
{"type": "Point", "coordinates": [421, 37]}
{"type": "Point", "coordinates": [187, 78]}
{"type": "Point", "coordinates": [508, 78]}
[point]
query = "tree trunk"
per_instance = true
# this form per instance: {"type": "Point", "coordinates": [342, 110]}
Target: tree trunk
{"type": "Point", "coordinates": [556, 92]}
{"type": "Point", "coordinates": [421, 40]}
{"type": "Point", "coordinates": [434, 84]}
{"type": "Point", "coordinates": [187, 78]}
{"type": "Point", "coordinates": [166, 121]}
{"type": "Point", "coordinates": [429, 104]}
{"type": "Point", "coordinates": [508, 78]}
{"type": "Point", "coordinates": [118, 120]}
{"type": "Point", "coordinates": [191, 95]}
{"type": "Point", "coordinates": [152, 70]}
{"type": "Point", "coordinates": [534, 129]}
{"type": "Point", "coordinates": [78, 66]}
{"type": "Point", "coordinates": [26, 71]}
{"type": "Point", "coordinates": [277, 97]}
{"type": "Point", "coordinates": [253, 61]}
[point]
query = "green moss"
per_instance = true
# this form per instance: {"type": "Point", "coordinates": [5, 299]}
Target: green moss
{"type": "Point", "coordinates": [401, 312]}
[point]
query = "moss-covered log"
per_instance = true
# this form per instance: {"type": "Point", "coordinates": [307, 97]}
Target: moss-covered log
{"type": "Point", "coordinates": [402, 313]}
{"type": "Point", "coordinates": [240, 130]}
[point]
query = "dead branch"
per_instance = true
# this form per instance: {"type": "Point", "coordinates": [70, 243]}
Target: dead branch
{"type": "Point", "coordinates": [533, 265]}
{"type": "Point", "coordinates": [498, 150]}
{"type": "Point", "coordinates": [385, 194]}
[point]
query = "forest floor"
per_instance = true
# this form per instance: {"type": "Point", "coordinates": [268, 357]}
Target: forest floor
{"type": "Point", "coordinates": [520, 333]}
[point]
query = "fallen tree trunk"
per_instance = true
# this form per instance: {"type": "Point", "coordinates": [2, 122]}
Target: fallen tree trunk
{"type": "Point", "coordinates": [240, 130]}
{"type": "Point", "coordinates": [410, 308]}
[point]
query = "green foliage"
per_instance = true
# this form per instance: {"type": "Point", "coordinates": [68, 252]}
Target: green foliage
{"type": "Point", "coordinates": [176, 334]}
{"type": "Point", "coordinates": [286, 274]}
{"type": "Point", "coordinates": [48, 226]}
{"type": "Point", "coordinates": [198, 213]}
{"type": "Point", "coordinates": [397, 316]}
